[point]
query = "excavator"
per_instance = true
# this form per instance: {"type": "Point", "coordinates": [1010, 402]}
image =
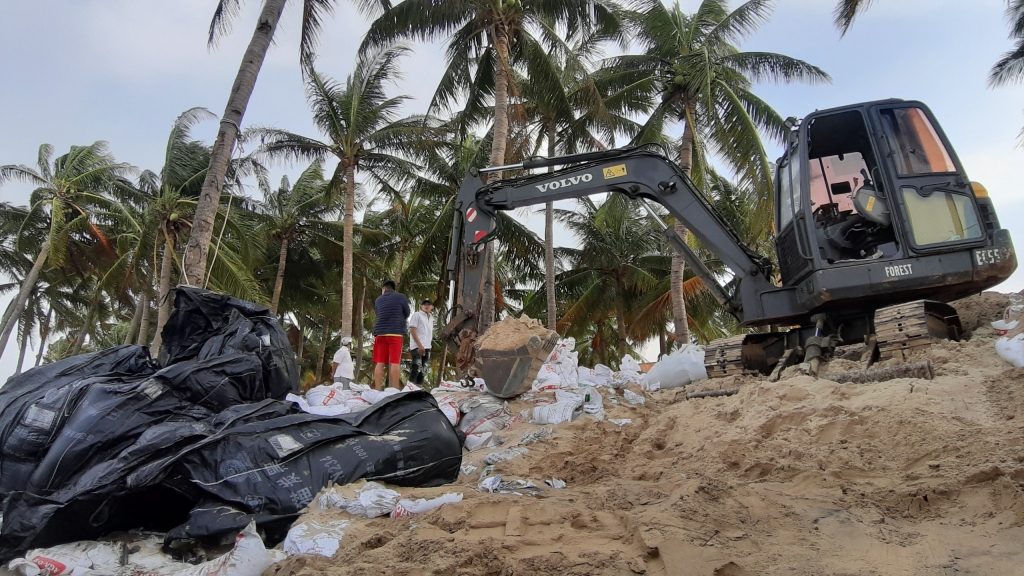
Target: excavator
{"type": "Point", "coordinates": [877, 229]}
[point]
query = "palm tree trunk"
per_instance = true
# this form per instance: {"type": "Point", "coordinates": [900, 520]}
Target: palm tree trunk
{"type": "Point", "coordinates": [163, 295]}
{"type": "Point", "coordinates": [302, 343]}
{"type": "Point", "coordinates": [206, 210]}
{"type": "Point", "coordinates": [498, 145]}
{"type": "Point", "coordinates": [133, 329]}
{"type": "Point", "coordinates": [44, 334]}
{"type": "Point", "coordinates": [23, 336]}
{"type": "Point", "coordinates": [678, 299]}
{"type": "Point", "coordinates": [346, 271]}
{"type": "Point", "coordinates": [144, 302]}
{"type": "Point", "coordinates": [323, 351]}
{"type": "Point", "coordinates": [620, 316]}
{"type": "Point", "coordinates": [76, 348]}
{"type": "Point", "coordinates": [399, 266]}
{"type": "Point", "coordinates": [12, 314]}
{"type": "Point", "coordinates": [358, 329]}
{"type": "Point", "coordinates": [549, 241]}
{"type": "Point", "coordinates": [280, 276]}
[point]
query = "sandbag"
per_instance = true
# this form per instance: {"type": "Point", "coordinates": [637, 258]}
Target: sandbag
{"type": "Point", "coordinates": [35, 404]}
{"type": "Point", "coordinates": [237, 466]}
{"type": "Point", "coordinates": [206, 325]}
{"type": "Point", "coordinates": [681, 367]}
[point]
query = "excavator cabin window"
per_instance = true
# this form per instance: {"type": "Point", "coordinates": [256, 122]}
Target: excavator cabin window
{"type": "Point", "coordinates": [851, 218]}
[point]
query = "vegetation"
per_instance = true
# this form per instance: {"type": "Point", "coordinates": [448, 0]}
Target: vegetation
{"type": "Point", "coordinates": [93, 258]}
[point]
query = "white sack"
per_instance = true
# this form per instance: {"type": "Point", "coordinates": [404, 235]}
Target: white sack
{"type": "Point", "coordinates": [406, 507]}
{"type": "Point", "coordinates": [312, 537]}
{"type": "Point", "coordinates": [683, 366]}
{"type": "Point", "coordinates": [1011, 350]}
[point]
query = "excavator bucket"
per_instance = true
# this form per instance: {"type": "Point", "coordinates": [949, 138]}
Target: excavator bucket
{"type": "Point", "coordinates": [510, 354]}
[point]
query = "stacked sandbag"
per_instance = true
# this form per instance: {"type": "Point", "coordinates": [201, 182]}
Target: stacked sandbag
{"type": "Point", "coordinates": [114, 441]}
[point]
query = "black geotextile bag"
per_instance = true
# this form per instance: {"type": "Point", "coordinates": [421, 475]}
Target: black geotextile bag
{"type": "Point", "coordinates": [206, 325]}
{"type": "Point", "coordinates": [270, 471]}
{"type": "Point", "coordinates": [35, 404]}
{"type": "Point", "coordinates": [232, 463]}
{"type": "Point", "coordinates": [111, 415]}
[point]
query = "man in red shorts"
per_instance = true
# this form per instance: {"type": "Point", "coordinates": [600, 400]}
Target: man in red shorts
{"type": "Point", "coordinates": [389, 334]}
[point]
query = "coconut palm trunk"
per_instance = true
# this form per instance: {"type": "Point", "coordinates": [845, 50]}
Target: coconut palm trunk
{"type": "Point", "coordinates": [678, 266]}
{"type": "Point", "coordinates": [620, 316]}
{"type": "Point", "coordinates": [230, 124]}
{"type": "Point", "coordinates": [357, 329]}
{"type": "Point", "coordinates": [163, 297]}
{"type": "Point", "coordinates": [90, 315]}
{"type": "Point", "coordinates": [549, 241]}
{"type": "Point", "coordinates": [133, 328]}
{"type": "Point", "coordinates": [11, 317]}
{"type": "Point", "coordinates": [346, 278]}
{"type": "Point", "coordinates": [24, 345]}
{"type": "Point", "coordinates": [279, 282]}
{"type": "Point", "coordinates": [501, 77]}
{"type": "Point", "coordinates": [323, 351]}
{"type": "Point", "coordinates": [44, 335]}
{"type": "Point", "coordinates": [144, 303]}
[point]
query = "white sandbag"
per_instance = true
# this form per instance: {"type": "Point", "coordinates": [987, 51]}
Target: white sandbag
{"type": "Point", "coordinates": [406, 507]}
{"type": "Point", "coordinates": [560, 369]}
{"type": "Point", "coordinates": [347, 406]}
{"type": "Point", "coordinates": [485, 418]}
{"type": "Point", "coordinates": [370, 499]}
{"type": "Point", "coordinates": [1011, 350]}
{"type": "Point", "coordinates": [599, 375]}
{"type": "Point", "coordinates": [556, 413]}
{"type": "Point", "coordinates": [466, 385]}
{"type": "Point", "coordinates": [475, 441]}
{"type": "Point", "coordinates": [374, 396]}
{"type": "Point", "coordinates": [248, 558]}
{"type": "Point", "coordinates": [633, 398]}
{"type": "Point", "coordinates": [629, 373]}
{"type": "Point", "coordinates": [77, 557]}
{"type": "Point", "coordinates": [330, 395]}
{"type": "Point", "coordinates": [681, 367]}
{"type": "Point", "coordinates": [312, 537]}
{"type": "Point", "coordinates": [448, 405]}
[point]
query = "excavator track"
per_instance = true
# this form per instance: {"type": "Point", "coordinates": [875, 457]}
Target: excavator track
{"type": "Point", "coordinates": [724, 357]}
{"type": "Point", "coordinates": [905, 328]}
{"type": "Point", "coordinates": [755, 353]}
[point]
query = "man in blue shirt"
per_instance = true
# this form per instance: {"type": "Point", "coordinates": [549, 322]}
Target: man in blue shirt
{"type": "Point", "coordinates": [389, 334]}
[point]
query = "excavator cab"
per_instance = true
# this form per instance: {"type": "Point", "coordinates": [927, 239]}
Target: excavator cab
{"type": "Point", "coordinates": [878, 183]}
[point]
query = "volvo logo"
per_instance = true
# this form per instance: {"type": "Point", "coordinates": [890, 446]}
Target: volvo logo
{"type": "Point", "coordinates": [565, 182]}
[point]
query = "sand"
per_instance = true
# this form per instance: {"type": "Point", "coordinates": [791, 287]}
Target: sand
{"type": "Point", "coordinates": [797, 477]}
{"type": "Point", "coordinates": [511, 333]}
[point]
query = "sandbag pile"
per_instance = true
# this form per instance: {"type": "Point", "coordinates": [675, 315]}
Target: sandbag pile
{"type": "Point", "coordinates": [198, 444]}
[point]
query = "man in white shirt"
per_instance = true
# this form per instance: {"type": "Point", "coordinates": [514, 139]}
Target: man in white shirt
{"type": "Point", "coordinates": [342, 366]}
{"type": "Point", "coordinates": [421, 334]}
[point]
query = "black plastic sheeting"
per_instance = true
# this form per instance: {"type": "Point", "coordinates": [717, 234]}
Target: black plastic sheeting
{"type": "Point", "coordinates": [211, 477]}
{"type": "Point", "coordinates": [208, 325]}
{"type": "Point", "coordinates": [111, 441]}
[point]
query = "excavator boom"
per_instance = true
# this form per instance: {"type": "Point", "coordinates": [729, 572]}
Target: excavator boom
{"type": "Point", "coordinates": [641, 173]}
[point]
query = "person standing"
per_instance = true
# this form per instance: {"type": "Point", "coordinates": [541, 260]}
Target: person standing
{"type": "Point", "coordinates": [342, 367]}
{"type": "Point", "coordinates": [421, 334]}
{"type": "Point", "coordinates": [389, 334]}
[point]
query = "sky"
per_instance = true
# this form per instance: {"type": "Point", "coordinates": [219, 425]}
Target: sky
{"type": "Point", "coordinates": [122, 70]}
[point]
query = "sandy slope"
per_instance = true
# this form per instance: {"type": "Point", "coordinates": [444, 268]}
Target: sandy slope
{"type": "Point", "coordinates": [801, 476]}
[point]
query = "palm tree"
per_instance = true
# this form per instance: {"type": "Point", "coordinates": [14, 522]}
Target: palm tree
{"type": "Point", "coordinates": [313, 12]}
{"type": "Point", "coordinates": [296, 214]}
{"type": "Point", "coordinates": [617, 262]}
{"type": "Point", "coordinates": [67, 191]}
{"type": "Point", "coordinates": [571, 115]}
{"type": "Point", "coordinates": [362, 131]}
{"type": "Point", "coordinates": [486, 39]}
{"type": "Point", "coordinates": [705, 83]}
{"type": "Point", "coordinates": [1010, 68]}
